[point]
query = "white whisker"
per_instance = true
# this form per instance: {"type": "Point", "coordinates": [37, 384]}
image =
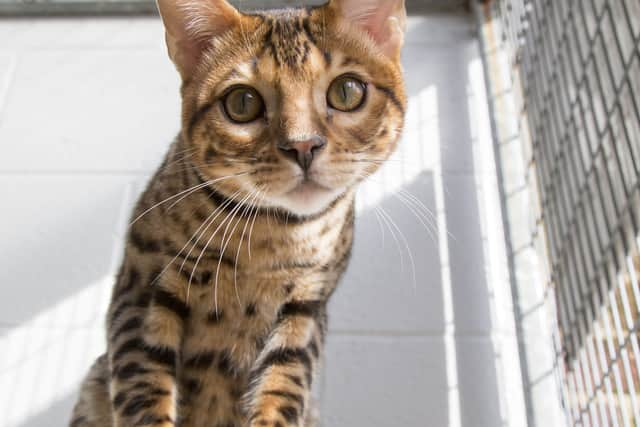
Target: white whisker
{"type": "Point", "coordinates": [393, 235]}
{"type": "Point", "coordinates": [230, 217]}
{"type": "Point", "coordinates": [248, 210]}
{"type": "Point", "coordinates": [188, 190]}
{"type": "Point", "coordinates": [255, 215]}
{"type": "Point", "coordinates": [406, 244]}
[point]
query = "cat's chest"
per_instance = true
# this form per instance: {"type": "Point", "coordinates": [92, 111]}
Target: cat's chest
{"type": "Point", "coordinates": [234, 318]}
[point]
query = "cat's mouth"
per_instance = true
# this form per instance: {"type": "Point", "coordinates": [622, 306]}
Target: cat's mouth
{"type": "Point", "coordinates": [308, 187]}
{"type": "Point", "coordinates": [307, 196]}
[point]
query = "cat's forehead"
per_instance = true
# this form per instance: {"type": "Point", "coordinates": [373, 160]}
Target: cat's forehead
{"type": "Point", "coordinates": [289, 38]}
{"type": "Point", "coordinates": [289, 51]}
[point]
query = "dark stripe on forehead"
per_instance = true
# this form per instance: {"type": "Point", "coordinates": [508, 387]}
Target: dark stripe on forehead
{"type": "Point", "coordinates": [288, 38]}
{"type": "Point", "coordinates": [308, 32]}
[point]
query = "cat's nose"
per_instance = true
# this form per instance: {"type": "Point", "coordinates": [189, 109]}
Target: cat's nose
{"type": "Point", "coordinates": [303, 152]}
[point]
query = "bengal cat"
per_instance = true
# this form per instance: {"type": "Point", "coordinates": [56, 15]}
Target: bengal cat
{"type": "Point", "coordinates": [218, 314]}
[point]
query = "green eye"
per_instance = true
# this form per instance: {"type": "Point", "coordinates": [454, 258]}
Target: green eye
{"type": "Point", "coordinates": [243, 104]}
{"type": "Point", "coordinates": [346, 93]}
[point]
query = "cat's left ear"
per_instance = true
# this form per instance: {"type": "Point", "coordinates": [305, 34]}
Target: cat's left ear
{"type": "Point", "coordinates": [384, 20]}
{"type": "Point", "coordinates": [190, 26]}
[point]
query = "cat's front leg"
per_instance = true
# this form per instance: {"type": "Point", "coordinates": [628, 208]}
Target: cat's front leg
{"type": "Point", "coordinates": [143, 359]}
{"type": "Point", "coordinates": [281, 379]}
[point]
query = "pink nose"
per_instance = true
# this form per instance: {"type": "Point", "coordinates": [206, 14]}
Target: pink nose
{"type": "Point", "coordinates": [303, 152]}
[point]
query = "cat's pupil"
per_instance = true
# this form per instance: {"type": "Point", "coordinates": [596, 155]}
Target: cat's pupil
{"type": "Point", "coordinates": [244, 100]}
{"type": "Point", "coordinates": [243, 104]}
{"type": "Point", "coordinates": [345, 91]}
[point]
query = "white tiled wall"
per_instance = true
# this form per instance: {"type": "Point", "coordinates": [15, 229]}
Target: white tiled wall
{"type": "Point", "coordinates": [421, 328]}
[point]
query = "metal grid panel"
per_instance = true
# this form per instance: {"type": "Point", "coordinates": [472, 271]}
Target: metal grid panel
{"type": "Point", "coordinates": [578, 62]}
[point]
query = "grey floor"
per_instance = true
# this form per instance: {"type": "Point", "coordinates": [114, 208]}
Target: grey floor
{"type": "Point", "coordinates": [421, 328]}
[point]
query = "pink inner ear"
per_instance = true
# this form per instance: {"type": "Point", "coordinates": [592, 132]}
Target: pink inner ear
{"type": "Point", "coordinates": [371, 15]}
{"type": "Point", "coordinates": [190, 24]}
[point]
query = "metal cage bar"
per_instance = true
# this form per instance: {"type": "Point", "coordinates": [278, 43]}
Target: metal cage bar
{"type": "Point", "coordinates": [577, 63]}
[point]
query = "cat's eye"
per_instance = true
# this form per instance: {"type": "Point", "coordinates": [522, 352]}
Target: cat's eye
{"type": "Point", "coordinates": [243, 104]}
{"type": "Point", "coordinates": [346, 93]}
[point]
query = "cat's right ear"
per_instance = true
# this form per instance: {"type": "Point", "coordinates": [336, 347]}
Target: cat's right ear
{"type": "Point", "coordinates": [190, 26]}
{"type": "Point", "coordinates": [384, 20]}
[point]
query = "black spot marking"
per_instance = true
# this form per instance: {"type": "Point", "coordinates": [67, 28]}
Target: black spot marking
{"type": "Point", "coordinates": [129, 370]}
{"type": "Point", "coordinates": [285, 356]}
{"type": "Point", "coordinates": [130, 325]}
{"type": "Point", "coordinates": [250, 310]}
{"type": "Point", "coordinates": [301, 308]}
{"type": "Point", "coordinates": [159, 392]}
{"type": "Point", "coordinates": [78, 421]}
{"type": "Point", "coordinates": [172, 303]}
{"type": "Point", "coordinates": [143, 300]}
{"type": "Point", "coordinates": [210, 154]}
{"type": "Point", "coordinates": [201, 360]}
{"type": "Point", "coordinates": [260, 341]}
{"type": "Point", "coordinates": [143, 244]}
{"type": "Point", "coordinates": [119, 399]}
{"type": "Point", "coordinates": [191, 385]}
{"type": "Point", "coordinates": [140, 385]}
{"type": "Point", "coordinates": [197, 278]}
{"type": "Point", "coordinates": [137, 404]}
{"type": "Point", "coordinates": [294, 379]}
{"type": "Point", "coordinates": [235, 393]}
{"type": "Point", "coordinates": [162, 355]}
{"type": "Point", "coordinates": [126, 286]}
{"type": "Point", "coordinates": [225, 364]}
{"type": "Point", "coordinates": [307, 30]}
{"type": "Point", "coordinates": [305, 55]}
{"type": "Point", "coordinates": [119, 310]}
{"type": "Point", "coordinates": [133, 344]}
{"type": "Point", "coordinates": [313, 347]}
{"type": "Point", "coordinates": [289, 413]}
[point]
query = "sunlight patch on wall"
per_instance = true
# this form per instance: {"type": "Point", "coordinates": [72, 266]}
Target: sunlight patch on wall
{"type": "Point", "coordinates": [44, 359]}
{"type": "Point", "coordinates": [417, 152]}
{"type": "Point", "coordinates": [506, 359]}
{"type": "Point", "coordinates": [420, 151]}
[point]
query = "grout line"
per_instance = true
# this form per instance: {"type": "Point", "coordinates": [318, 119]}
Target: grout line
{"type": "Point", "coordinates": [421, 334]}
{"type": "Point", "coordinates": [105, 172]}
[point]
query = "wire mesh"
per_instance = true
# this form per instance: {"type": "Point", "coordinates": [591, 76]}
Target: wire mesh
{"type": "Point", "coordinates": [578, 64]}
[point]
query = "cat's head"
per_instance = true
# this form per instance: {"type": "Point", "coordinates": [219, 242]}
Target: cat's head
{"type": "Point", "coordinates": [293, 108]}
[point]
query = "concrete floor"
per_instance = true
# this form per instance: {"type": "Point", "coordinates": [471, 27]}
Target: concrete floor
{"type": "Point", "coordinates": [421, 328]}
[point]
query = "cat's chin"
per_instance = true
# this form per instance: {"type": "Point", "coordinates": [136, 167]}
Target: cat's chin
{"type": "Point", "coordinates": [307, 198]}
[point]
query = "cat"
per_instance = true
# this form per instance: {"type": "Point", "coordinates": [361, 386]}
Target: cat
{"type": "Point", "coordinates": [218, 314]}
